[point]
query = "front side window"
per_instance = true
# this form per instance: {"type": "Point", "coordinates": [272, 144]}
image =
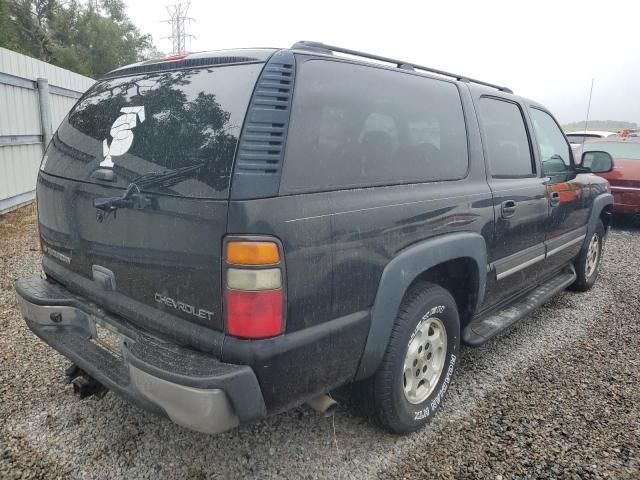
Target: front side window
{"type": "Point", "coordinates": [554, 150]}
{"type": "Point", "coordinates": [506, 141]}
{"type": "Point", "coordinates": [357, 126]}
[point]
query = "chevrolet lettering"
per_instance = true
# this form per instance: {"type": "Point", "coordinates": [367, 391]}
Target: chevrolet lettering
{"type": "Point", "coordinates": [183, 307]}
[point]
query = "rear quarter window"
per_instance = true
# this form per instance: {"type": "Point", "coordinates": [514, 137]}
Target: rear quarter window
{"type": "Point", "coordinates": [358, 126]}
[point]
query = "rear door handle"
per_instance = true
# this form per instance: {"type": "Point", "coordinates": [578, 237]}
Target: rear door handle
{"type": "Point", "coordinates": [555, 198]}
{"type": "Point", "coordinates": [508, 208]}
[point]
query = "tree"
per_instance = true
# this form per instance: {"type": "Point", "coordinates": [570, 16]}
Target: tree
{"type": "Point", "coordinates": [7, 28]}
{"type": "Point", "coordinates": [89, 38]}
{"type": "Point", "coordinates": [607, 125]}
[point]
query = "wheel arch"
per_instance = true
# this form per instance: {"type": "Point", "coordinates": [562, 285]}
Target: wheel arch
{"type": "Point", "coordinates": [426, 260]}
{"type": "Point", "coordinates": [601, 209]}
{"type": "Point", "coordinates": [606, 215]}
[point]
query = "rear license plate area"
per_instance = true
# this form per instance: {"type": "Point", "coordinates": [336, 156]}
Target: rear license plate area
{"type": "Point", "coordinates": [108, 339]}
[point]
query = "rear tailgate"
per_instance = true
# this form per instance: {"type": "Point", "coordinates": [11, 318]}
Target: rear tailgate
{"type": "Point", "coordinates": [167, 254]}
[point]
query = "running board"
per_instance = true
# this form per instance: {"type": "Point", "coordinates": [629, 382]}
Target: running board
{"type": "Point", "coordinates": [482, 329]}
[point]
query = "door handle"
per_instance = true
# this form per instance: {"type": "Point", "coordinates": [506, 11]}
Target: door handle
{"type": "Point", "coordinates": [508, 208]}
{"type": "Point", "coordinates": [554, 199]}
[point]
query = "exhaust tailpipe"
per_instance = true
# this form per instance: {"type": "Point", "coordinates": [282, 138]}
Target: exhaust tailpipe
{"type": "Point", "coordinates": [324, 405]}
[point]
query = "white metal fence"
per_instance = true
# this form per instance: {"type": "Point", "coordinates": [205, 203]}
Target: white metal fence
{"type": "Point", "coordinates": [34, 98]}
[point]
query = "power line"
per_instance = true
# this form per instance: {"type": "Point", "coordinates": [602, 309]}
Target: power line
{"type": "Point", "coordinates": [179, 35]}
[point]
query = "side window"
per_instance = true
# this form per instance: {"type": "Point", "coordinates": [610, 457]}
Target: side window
{"type": "Point", "coordinates": [425, 130]}
{"type": "Point", "coordinates": [555, 152]}
{"type": "Point", "coordinates": [383, 123]}
{"type": "Point", "coordinates": [357, 126]}
{"type": "Point", "coordinates": [506, 140]}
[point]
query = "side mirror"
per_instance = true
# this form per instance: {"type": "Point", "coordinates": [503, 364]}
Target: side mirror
{"type": "Point", "coordinates": [554, 165]}
{"type": "Point", "coordinates": [597, 162]}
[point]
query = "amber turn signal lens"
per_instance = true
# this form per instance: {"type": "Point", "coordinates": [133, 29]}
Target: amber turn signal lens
{"type": "Point", "coordinates": [252, 253]}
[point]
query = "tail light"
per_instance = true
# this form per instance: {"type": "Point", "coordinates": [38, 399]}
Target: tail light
{"type": "Point", "coordinates": [254, 287]}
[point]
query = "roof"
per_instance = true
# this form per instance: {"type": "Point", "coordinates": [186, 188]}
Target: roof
{"type": "Point", "coordinates": [323, 49]}
{"type": "Point", "coordinates": [248, 55]}
{"type": "Point", "coordinates": [196, 59]}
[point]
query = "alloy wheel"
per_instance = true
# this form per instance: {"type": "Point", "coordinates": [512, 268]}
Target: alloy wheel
{"type": "Point", "coordinates": [424, 360]}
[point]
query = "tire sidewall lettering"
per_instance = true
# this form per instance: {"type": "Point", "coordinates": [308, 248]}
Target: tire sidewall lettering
{"type": "Point", "coordinates": [432, 403]}
{"type": "Point", "coordinates": [437, 310]}
{"type": "Point", "coordinates": [436, 401]}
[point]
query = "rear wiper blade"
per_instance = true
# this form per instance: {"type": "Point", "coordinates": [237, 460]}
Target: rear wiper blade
{"type": "Point", "coordinates": [167, 178]}
{"type": "Point", "coordinates": [133, 198]}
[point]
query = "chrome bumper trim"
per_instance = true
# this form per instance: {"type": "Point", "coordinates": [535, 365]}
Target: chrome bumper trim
{"type": "Point", "coordinates": [625, 189]}
{"type": "Point", "coordinates": [57, 316]}
{"type": "Point", "coordinates": [204, 410]}
{"type": "Point", "coordinates": [207, 411]}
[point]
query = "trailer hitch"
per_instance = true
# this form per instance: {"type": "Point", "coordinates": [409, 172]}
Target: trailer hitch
{"type": "Point", "coordinates": [84, 385]}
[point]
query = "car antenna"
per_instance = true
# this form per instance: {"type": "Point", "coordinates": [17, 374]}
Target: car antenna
{"type": "Point", "coordinates": [586, 121]}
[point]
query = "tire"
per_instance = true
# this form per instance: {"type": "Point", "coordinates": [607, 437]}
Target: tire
{"type": "Point", "coordinates": [588, 267]}
{"type": "Point", "coordinates": [426, 310]}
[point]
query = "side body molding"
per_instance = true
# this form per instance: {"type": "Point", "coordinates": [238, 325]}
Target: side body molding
{"type": "Point", "coordinates": [401, 272]}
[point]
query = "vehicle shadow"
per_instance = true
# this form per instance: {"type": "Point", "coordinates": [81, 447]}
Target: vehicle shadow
{"type": "Point", "coordinates": [626, 223]}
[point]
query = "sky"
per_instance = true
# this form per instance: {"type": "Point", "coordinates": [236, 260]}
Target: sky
{"type": "Point", "coordinates": [545, 50]}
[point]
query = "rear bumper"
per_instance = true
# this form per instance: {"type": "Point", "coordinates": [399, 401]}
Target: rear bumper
{"type": "Point", "coordinates": [626, 199]}
{"type": "Point", "coordinates": [193, 389]}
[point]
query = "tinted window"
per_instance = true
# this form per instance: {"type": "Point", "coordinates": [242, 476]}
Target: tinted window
{"type": "Point", "coordinates": [157, 122]}
{"type": "Point", "coordinates": [627, 151]}
{"type": "Point", "coordinates": [506, 141]}
{"type": "Point", "coordinates": [354, 125]}
{"type": "Point", "coordinates": [554, 150]}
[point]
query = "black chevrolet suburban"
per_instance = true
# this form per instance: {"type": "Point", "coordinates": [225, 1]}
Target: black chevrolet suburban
{"type": "Point", "coordinates": [229, 234]}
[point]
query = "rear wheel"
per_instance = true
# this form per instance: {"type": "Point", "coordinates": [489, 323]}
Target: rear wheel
{"type": "Point", "coordinates": [588, 262]}
{"type": "Point", "coordinates": [419, 362]}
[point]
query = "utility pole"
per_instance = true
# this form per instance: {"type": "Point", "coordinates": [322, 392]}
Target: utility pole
{"type": "Point", "coordinates": [177, 20]}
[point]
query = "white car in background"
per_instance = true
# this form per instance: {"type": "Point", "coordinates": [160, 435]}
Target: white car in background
{"type": "Point", "coordinates": [576, 139]}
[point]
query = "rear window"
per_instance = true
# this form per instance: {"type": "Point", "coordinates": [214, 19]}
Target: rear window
{"type": "Point", "coordinates": [627, 151]}
{"type": "Point", "coordinates": [356, 126]}
{"type": "Point", "coordinates": [158, 122]}
{"type": "Point", "coordinates": [577, 139]}
{"type": "Point", "coordinates": [580, 139]}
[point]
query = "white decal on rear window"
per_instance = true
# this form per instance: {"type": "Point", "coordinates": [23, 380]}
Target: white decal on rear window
{"type": "Point", "coordinates": [122, 136]}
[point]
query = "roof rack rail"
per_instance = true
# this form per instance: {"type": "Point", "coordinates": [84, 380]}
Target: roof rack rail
{"type": "Point", "coordinates": [321, 47]}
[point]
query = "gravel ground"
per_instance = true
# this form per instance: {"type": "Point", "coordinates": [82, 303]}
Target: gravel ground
{"type": "Point", "coordinates": [556, 396]}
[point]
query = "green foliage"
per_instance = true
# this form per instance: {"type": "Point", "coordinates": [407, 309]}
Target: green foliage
{"type": "Point", "coordinates": [75, 35]}
{"type": "Point", "coordinates": [606, 125]}
{"type": "Point", "coordinates": [182, 127]}
{"type": "Point", "coordinates": [7, 28]}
